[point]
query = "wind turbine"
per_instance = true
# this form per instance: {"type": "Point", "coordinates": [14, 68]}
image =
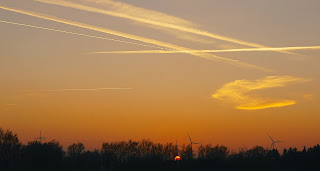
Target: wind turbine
{"type": "Point", "coordinates": [273, 142]}
{"type": "Point", "coordinates": [191, 142]}
{"type": "Point", "coordinates": [41, 138]}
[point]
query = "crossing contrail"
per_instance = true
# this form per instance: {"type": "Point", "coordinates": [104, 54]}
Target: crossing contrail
{"type": "Point", "coordinates": [78, 34]}
{"type": "Point", "coordinates": [214, 51]}
{"type": "Point", "coordinates": [130, 12]}
{"type": "Point", "coordinates": [77, 24]}
{"type": "Point", "coordinates": [138, 38]}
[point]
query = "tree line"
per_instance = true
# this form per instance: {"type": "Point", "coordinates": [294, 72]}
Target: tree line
{"type": "Point", "coordinates": [147, 155]}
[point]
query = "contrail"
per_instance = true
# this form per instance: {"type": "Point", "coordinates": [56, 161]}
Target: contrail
{"type": "Point", "coordinates": [128, 14]}
{"type": "Point", "coordinates": [213, 51]}
{"type": "Point", "coordinates": [77, 89]}
{"type": "Point", "coordinates": [11, 104]}
{"type": "Point", "coordinates": [78, 34]}
{"type": "Point", "coordinates": [138, 38]}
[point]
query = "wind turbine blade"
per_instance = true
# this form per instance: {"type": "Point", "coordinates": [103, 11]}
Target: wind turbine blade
{"type": "Point", "coordinates": [245, 147]}
{"type": "Point", "coordinates": [189, 137]}
{"type": "Point", "coordinates": [278, 141]}
{"type": "Point", "coordinates": [195, 143]}
{"type": "Point", "coordinates": [270, 138]}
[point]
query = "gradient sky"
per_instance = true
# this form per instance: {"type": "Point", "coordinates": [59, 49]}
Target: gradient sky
{"type": "Point", "coordinates": [53, 80]}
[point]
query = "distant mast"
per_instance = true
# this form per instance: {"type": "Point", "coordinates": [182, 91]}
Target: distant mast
{"type": "Point", "coordinates": [40, 138]}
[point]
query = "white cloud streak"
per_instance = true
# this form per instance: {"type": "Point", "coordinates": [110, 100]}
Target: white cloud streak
{"type": "Point", "coordinates": [213, 51]}
{"type": "Point", "coordinates": [139, 38]}
{"type": "Point", "coordinates": [78, 34]}
{"type": "Point", "coordinates": [130, 12]}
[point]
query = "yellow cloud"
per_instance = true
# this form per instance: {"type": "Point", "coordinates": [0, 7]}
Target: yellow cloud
{"type": "Point", "coordinates": [236, 92]}
{"type": "Point", "coordinates": [267, 105]}
{"type": "Point", "coordinates": [168, 46]}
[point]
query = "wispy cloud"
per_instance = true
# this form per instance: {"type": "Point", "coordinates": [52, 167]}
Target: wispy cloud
{"type": "Point", "coordinates": [308, 97]}
{"type": "Point", "coordinates": [8, 107]}
{"type": "Point", "coordinates": [139, 38]}
{"type": "Point", "coordinates": [237, 92]}
{"type": "Point", "coordinates": [215, 51]}
{"type": "Point", "coordinates": [10, 104]}
{"type": "Point", "coordinates": [134, 13]}
{"type": "Point", "coordinates": [78, 34]}
{"type": "Point", "coordinates": [76, 89]}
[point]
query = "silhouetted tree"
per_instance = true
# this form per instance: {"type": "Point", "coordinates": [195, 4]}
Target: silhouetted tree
{"type": "Point", "coordinates": [43, 156]}
{"type": "Point", "coordinates": [186, 153]}
{"type": "Point", "coordinates": [258, 152]}
{"type": "Point", "coordinates": [147, 155]}
{"type": "Point", "coordinates": [216, 153]}
{"type": "Point", "coordinates": [314, 153]}
{"type": "Point", "coordinates": [92, 160]}
{"type": "Point", "coordinates": [10, 150]}
{"type": "Point", "coordinates": [201, 152]}
{"type": "Point", "coordinates": [75, 150]}
{"type": "Point", "coordinates": [108, 157]}
{"type": "Point", "coordinates": [273, 154]}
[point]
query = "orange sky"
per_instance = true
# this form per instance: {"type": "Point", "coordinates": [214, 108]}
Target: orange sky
{"type": "Point", "coordinates": [52, 80]}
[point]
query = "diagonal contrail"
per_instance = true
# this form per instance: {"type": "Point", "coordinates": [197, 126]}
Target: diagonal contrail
{"type": "Point", "coordinates": [79, 34]}
{"type": "Point", "coordinates": [142, 39]}
{"type": "Point", "coordinates": [128, 14]}
{"type": "Point", "coordinates": [214, 51]}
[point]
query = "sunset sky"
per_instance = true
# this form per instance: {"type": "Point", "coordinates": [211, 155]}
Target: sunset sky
{"type": "Point", "coordinates": [228, 72]}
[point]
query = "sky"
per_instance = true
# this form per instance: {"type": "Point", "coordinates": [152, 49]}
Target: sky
{"type": "Point", "coordinates": [227, 72]}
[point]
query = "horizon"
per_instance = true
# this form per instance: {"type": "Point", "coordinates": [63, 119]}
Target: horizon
{"type": "Point", "coordinates": [181, 147]}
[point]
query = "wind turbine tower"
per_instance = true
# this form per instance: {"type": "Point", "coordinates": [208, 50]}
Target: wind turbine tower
{"type": "Point", "coordinates": [177, 146]}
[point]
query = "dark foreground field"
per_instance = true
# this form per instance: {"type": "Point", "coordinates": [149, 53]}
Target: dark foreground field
{"type": "Point", "coordinates": [224, 165]}
{"type": "Point", "coordinates": [147, 155]}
